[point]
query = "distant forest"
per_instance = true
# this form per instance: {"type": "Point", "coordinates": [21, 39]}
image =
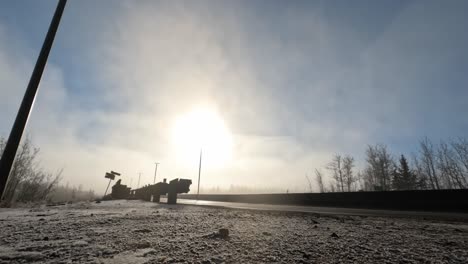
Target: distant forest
{"type": "Point", "coordinates": [237, 189]}
{"type": "Point", "coordinates": [433, 167]}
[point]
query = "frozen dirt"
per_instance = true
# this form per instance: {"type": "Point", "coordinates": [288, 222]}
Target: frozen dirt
{"type": "Point", "coordinates": [142, 232]}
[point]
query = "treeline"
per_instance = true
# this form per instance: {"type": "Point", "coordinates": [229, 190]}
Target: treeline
{"type": "Point", "coordinates": [66, 193]}
{"type": "Point", "coordinates": [28, 182]}
{"type": "Point", "coordinates": [433, 167]}
{"type": "Point", "coordinates": [235, 189]}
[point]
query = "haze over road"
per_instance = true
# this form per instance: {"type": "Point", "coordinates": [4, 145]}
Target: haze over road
{"type": "Point", "coordinates": [330, 210]}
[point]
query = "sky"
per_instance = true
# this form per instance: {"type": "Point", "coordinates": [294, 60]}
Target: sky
{"type": "Point", "coordinates": [290, 83]}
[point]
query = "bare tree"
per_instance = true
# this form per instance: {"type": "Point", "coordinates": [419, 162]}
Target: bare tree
{"type": "Point", "coordinates": [449, 169]}
{"type": "Point", "coordinates": [421, 177]}
{"type": "Point", "coordinates": [310, 183]}
{"type": "Point", "coordinates": [428, 163]}
{"type": "Point", "coordinates": [434, 166]}
{"type": "Point", "coordinates": [39, 187]}
{"type": "Point", "coordinates": [360, 180]}
{"type": "Point", "coordinates": [27, 181]}
{"type": "Point", "coordinates": [319, 178]}
{"type": "Point", "coordinates": [444, 166]}
{"type": "Point", "coordinates": [349, 178]}
{"type": "Point", "coordinates": [371, 171]}
{"type": "Point", "coordinates": [379, 167]}
{"type": "Point", "coordinates": [336, 167]}
{"type": "Point", "coordinates": [22, 168]}
{"type": "Point", "coordinates": [460, 148]}
{"type": "Point", "coordinates": [367, 179]}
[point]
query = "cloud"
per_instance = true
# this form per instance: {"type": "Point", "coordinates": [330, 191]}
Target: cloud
{"type": "Point", "coordinates": [293, 86]}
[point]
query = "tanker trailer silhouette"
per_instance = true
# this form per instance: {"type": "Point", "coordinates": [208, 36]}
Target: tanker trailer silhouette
{"type": "Point", "coordinates": [153, 192]}
{"type": "Point", "coordinates": [120, 191]}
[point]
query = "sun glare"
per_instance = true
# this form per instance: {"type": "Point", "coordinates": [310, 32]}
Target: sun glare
{"type": "Point", "coordinates": [204, 129]}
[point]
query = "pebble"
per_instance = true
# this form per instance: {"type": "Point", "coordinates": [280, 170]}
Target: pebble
{"type": "Point", "coordinates": [223, 233]}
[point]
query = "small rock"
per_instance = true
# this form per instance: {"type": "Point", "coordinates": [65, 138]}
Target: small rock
{"type": "Point", "coordinates": [162, 258]}
{"type": "Point", "coordinates": [149, 252]}
{"type": "Point", "coordinates": [46, 239]}
{"type": "Point", "coordinates": [334, 235]}
{"type": "Point", "coordinates": [142, 244]}
{"type": "Point", "coordinates": [98, 202]}
{"type": "Point", "coordinates": [80, 243]}
{"type": "Point", "coordinates": [216, 260]}
{"type": "Point", "coordinates": [266, 234]}
{"type": "Point", "coordinates": [315, 226]}
{"type": "Point", "coordinates": [448, 243]}
{"type": "Point", "coordinates": [223, 233]}
{"type": "Point", "coordinates": [143, 230]}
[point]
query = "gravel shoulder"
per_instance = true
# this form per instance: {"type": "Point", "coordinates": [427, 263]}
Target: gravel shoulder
{"type": "Point", "coordinates": [142, 232]}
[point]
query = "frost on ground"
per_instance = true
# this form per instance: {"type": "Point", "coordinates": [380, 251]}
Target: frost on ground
{"type": "Point", "coordinates": [142, 232]}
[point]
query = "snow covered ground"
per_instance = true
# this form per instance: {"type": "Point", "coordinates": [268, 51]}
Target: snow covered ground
{"type": "Point", "coordinates": [142, 232]}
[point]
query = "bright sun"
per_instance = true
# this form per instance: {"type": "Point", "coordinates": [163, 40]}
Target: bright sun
{"type": "Point", "coordinates": [204, 129]}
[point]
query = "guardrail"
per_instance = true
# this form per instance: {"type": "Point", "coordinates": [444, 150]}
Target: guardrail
{"type": "Point", "coordinates": [421, 200]}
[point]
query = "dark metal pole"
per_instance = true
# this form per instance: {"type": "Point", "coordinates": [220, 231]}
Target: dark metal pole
{"type": "Point", "coordinates": [199, 173]}
{"type": "Point", "coordinates": [107, 187]}
{"type": "Point", "coordinates": [14, 139]}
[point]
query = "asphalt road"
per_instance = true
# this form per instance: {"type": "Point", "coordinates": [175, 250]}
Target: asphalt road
{"type": "Point", "coordinates": [331, 210]}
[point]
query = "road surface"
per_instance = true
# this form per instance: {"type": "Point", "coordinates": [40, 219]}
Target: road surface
{"type": "Point", "coordinates": [133, 231]}
{"type": "Point", "coordinates": [331, 210]}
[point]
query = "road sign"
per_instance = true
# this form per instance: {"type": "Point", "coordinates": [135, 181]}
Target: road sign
{"type": "Point", "coordinates": [115, 173]}
{"type": "Point", "coordinates": [109, 176]}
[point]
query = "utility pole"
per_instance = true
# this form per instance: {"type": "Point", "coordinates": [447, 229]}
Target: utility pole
{"type": "Point", "coordinates": [24, 111]}
{"type": "Point", "coordinates": [199, 173]}
{"type": "Point", "coordinates": [139, 175]}
{"type": "Point", "coordinates": [155, 171]}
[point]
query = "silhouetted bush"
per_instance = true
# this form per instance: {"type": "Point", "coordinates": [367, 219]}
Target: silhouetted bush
{"type": "Point", "coordinates": [28, 182]}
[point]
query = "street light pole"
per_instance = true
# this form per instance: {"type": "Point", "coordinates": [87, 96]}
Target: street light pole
{"type": "Point", "coordinates": [139, 175]}
{"type": "Point", "coordinates": [199, 173]}
{"type": "Point", "coordinates": [24, 111]}
{"type": "Point", "coordinates": [155, 171]}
